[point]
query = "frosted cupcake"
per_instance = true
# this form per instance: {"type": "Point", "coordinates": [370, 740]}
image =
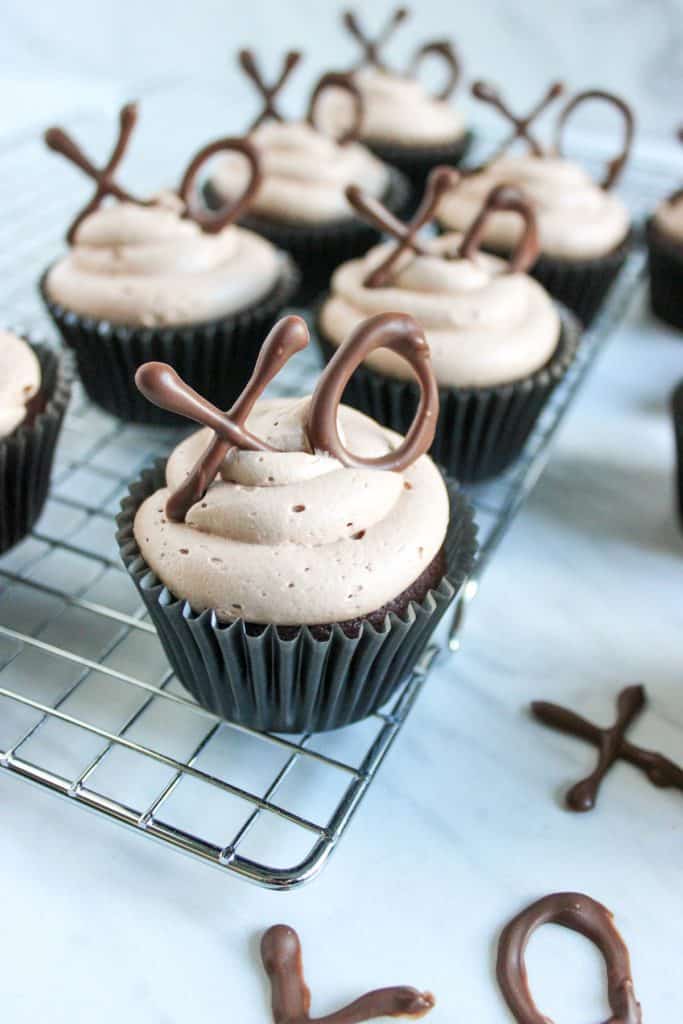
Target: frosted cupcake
{"type": "Point", "coordinates": [584, 229]}
{"type": "Point", "coordinates": [665, 258]}
{"type": "Point", "coordinates": [498, 344]}
{"type": "Point", "coordinates": [163, 278]}
{"type": "Point", "coordinates": [34, 394]}
{"type": "Point", "coordinates": [300, 203]}
{"type": "Point", "coordinates": [296, 577]}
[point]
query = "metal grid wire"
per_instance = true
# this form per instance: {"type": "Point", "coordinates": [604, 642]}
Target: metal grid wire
{"type": "Point", "coordinates": [88, 706]}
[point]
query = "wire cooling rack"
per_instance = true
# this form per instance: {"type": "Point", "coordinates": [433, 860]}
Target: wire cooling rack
{"type": "Point", "coordinates": [88, 706]}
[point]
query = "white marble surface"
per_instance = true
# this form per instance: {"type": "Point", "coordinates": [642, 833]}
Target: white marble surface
{"type": "Point", "coordinates": [464, 824]}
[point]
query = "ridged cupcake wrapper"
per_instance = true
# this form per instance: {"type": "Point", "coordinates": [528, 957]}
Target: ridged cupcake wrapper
{"type": "Point", "coordinates": [415, 162]}
{"type": "Point", "coordinates": [253, 676]}
{"type": "Point", "coordinates": [319, 249]}
{"type": "Point", "coordinates": [480, 431]}
{"type": "Point", "coordinates": [26, 456]}
{"type": "Point", "coordinates": [665, 261]}
{"type": "Point", "coordinates": [216, 357]}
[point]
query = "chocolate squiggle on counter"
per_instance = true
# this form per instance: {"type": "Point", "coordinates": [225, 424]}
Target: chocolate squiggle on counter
{"type": "Point", "coordinates": [291, 998]}
{"type": "Point", "coordinates": [580, 914]}
{"type": "Point", "coordinates": [612, 744]}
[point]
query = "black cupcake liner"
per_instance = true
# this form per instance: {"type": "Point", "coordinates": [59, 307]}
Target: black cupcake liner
{"type": "Point", "coordinates": [27, 454]}
{"type": "Point", "coordinates": [665, 264]}
{"type": "Point", "coordinates": [415, 162]}
{"type": "Point", "coordinates": [254, 676]}
{"type": "Point", "coordinates": [215, 357]}
{"type": "Point", "coordinates": [318, 249]}
{"type": "Point", "coordinates": [480, 431]}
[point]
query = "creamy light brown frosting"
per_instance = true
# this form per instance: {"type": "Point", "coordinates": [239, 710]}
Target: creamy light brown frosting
{"type": "Point", "coordinates": [149, 266]}
{"type": "Point", "coordinates": [483, 326]}
{"type": "Point", "coordinates": [305, 173]}
{"type": "Point", "coordinates": [20, 380]}
{"type": "Point", "coordinates": [292, 537]}
{"type": "Point", "coordinates": [396, 109]}
{"type": "Point", "coordinates": [576, 218]}
{"type": "Point", "coordinates": [669, 218]}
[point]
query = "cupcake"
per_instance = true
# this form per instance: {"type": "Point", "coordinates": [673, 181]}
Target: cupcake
{"type": "Point", "coordinates": [34, 393]}
{"type": "Point", "coordinates": [403, 123]}
{"type": "Point", "coordinates": [498, 344]}
{"type": "Point", "coordinates": [665, 258]}
{"type": "Point", "coordinates": [295, 577]}
{"type": "Point", "coordinates": [300, 204]}
{"type": "Point", "coordinates": [584, 229]}
{"type": "Point", "coordinates": [163, 278]}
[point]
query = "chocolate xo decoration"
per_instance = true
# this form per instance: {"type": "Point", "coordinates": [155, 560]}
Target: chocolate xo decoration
{"type": "Point", "coordinates": [440, 48]}
{"type": "Point", "coordinates": [338, 80]}
{"type": "Point", "coordinates": [499, 199]}
{"type": "Point", "coordinates": [490, 94]}
{"type": "Point", "coordinates": [612, 744]}
{"type": "Point", "coordinates": [291, 998]}
{"type": "Point", "coordinates": [268, 93]}
{"type": "Point", "coordinates": [440, 180]}
{"type": "Point", "coordinates": [58, 140]}
{"type": "Point", "coordinates": [195, 209]}
{"type": "Point", "coordinates": [580, 914]}
{"type": "Point", "coordinates": [159, 383]}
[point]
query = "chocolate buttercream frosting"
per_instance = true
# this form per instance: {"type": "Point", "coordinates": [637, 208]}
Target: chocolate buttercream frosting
{"type": "Point", "coordinates": [291, 998]}
{"type": "Point", "coordinates": [612, 745]}
{"type": "Point", "coordinates": [581, 914]}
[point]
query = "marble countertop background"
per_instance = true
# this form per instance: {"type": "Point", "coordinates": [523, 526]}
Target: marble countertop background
{"type": "Point", "coordinates": [465, 823]}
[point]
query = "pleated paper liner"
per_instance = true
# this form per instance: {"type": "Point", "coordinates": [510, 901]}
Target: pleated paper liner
{"type": "Point", "coordinates": [318, 249]}
{"type": "Point", "coordinates": [480, 431]}
{"type": "Point", "coordinates": [415, 162]}
{"type": "Point", "coordinates": [215, 357]}
{"type": "Point", "coordinates": [252, 675]}
{"type": "Point", "coordinates": [665, 262]}
{"type": "Point", "coordinates": [26, 456]}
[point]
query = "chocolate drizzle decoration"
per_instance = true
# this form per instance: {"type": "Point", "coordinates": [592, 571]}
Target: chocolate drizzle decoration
{"type": "Point", "coordinates": [488, 93]}
{"type": "Point", "coordinates": [59, 141]}
{"type": "Point", "coordinates": [440, 180]}
{"type": "Point", "coordinates": [160, 384]}
{"type": "Point", "coordinates": [214, 220]}
{"type": "Point", "coordinates": [268, 93]}
{"type": "Point", "coordinates": [616, 165]}
{"type": "Point", "coordinates": [612, 745]}
{"type": "Point", "coordinates": [505, 198]}
{"type": "Point", "coordinates": [372, 48]}
{"type": "Point", "coordinates": [580, 914]}
{"type": "Point", "coordinates": [338, 80]}
{"type": "Point", "coordinates": [291, 998]}
{"type": "Point", "coordinates": [444, 49]}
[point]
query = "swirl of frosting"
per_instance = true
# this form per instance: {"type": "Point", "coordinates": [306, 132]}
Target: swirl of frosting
{"type": "Point", "coordinates": [292, 537]}
{"type": "Point", "coordinates": [483, 325]}
{"type": "Point", "coordinates": [20, 380]}
{"type": "Point", "coordinates": [305, 173]}
{"type": "Point", "coordinates": [576, 218]}
{"type": "Point", "coordinates": [396, 109]}
{"type": "Point", "coordinates": [668, 217]}
{"type": "Point", "coordinates": [150, 266]}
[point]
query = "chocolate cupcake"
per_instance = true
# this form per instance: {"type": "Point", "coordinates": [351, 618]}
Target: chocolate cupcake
{"type": "Point", "coordinates": [403, 123]}
{"type": "Point", "coordinates": [499, 345]}
{"type": "Point", "coordinates": [584, 229]}
{"type": "Point", "coordinates": [665, 258]}
{"type": "Point", "coordinates": [34, 393]}
{"type": "Point", "coordinates": [166, 279]}
{"type": "Point", "coordinates": [300, 204]}
{"type": "Point", "coordinates": [294, 580]}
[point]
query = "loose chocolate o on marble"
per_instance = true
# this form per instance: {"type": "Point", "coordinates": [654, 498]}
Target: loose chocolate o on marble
{"type": "Point", "coordinates": [581, 914]}
{"type": "Point", "coordinates": [291, 998]}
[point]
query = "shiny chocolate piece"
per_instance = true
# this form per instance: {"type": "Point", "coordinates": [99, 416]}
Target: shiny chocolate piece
{"type": "Point", "coordinates": [440, 180]}
{"type": "Point", "coordinates": [268, 93]}
{"type": "Point", "coordinates": [291, 998]}
{"type": "Point", "coordinates": [616, 165]}
{"type": "Point", "coordinates": [372, 47]}
{"type": "Point", "coordinates": [505, 197]}
{"type": "Point", "coordinates": [488, 93]}
{"type": "Point", "coordinates": [403, 335]}
{"type": "Point", "coordinates": [442, 48]}
{"type": "Point", "coordinates": [612, 745]}
{"type": "Point", "coordinates": [580, 914]}
{"type": "Point", "coordinates": [338, 80]}
{"type": "Point", "coordinates": [58, 140]}
{"type": "Point", "coordinates": [213, 221]}
{"type": "Point", "coordinates": [161, 385]}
